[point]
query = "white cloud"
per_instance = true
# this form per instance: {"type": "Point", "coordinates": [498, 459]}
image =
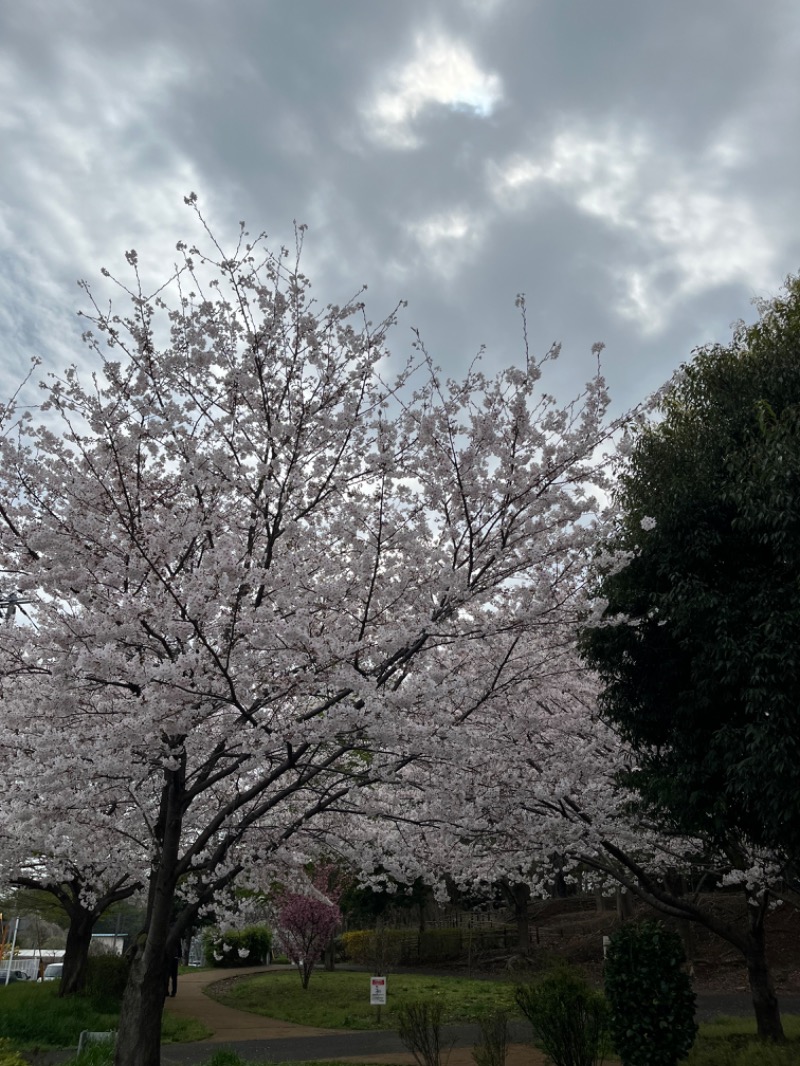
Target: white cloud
{"type": "Point", "coordinates": [693, 232]}
{"type": "Point", "coordinates": [484, 9]}
{"type": "Point", "coordinates": [441, 73]}
{"type": "Point", "coordinates": [448, 241]}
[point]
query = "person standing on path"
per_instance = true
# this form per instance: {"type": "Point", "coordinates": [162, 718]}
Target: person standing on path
{"type": "Point", "coordinates": [172, 978]}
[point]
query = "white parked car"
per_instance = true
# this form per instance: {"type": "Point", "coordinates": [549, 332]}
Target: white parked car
{"type": "Point", "coordinates": [53, 971]}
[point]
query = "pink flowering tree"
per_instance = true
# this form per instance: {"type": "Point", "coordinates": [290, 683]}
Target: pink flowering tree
{"type": "Point", "coordinates": [306, 925]}
{"type": "Point", "coordinates": [266, 569]}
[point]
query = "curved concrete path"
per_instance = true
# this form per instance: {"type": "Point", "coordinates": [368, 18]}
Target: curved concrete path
{"type": "Point", "coordinates": [229, 1024]}
{"type": "Point", "coordinates": [262, 1039]}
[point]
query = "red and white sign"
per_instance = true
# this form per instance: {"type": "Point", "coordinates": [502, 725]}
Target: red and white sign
{"type": "Point", "coordinates": [377, 991]}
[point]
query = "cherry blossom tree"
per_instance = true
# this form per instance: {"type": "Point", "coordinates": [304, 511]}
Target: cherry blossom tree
{"type": "Point", "coordinates": [64, 835]}
{"type": "Point", "coordinates": [306, 925]}
{"type": "Point", "coordinates": [85, 896]}
{"type": "Point", "coordinates": [266, 569]}
{"type": "Point", "coordinates": [538, 790]}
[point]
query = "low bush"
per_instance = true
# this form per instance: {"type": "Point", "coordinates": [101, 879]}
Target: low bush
{"type": "Point", "coordinates": [238, 947]}
{"type": "Point", "coordinates": [358, 945]}
{"type": "Point", "coordinates": [492, 1049]}
{"type": "Point", "coordinates": [100, 1054]}
{"type": "Point", "coordinates": [225, 1056]}
{"type": "Point", "coordinates": [569, 1019]}
{"type": "Point", "coordinates": [106, 977]}
{"type": "Point", "coordinates": [420, 1029]}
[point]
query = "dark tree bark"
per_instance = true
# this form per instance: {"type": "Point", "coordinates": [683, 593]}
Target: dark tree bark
{"type": "Point", "coordinates": [139, 1033]}
{"type": "Point", "coordinates": [762, 988]}
{"type": "Point", "coordinates": [518, 896]}
{"type": "Point", "coordinates": [76, 955]}
{"type": "Point", "coordinates": [329, 957]}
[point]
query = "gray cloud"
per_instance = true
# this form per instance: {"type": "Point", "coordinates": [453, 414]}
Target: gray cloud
{"type": "Point", "coordinates": [630, 166]}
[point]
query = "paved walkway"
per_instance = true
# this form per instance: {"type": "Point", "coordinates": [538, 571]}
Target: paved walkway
{"type": "Point", "coordinates": [261, 1039]}
{"type": "Point", "coordinates": [268, 1040]}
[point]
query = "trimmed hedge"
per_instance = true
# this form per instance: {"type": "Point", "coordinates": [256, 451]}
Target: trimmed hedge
{"type": "Point", "coordinates": [408, 947]}
{"type": "Point", "coordinates": [237, 947]}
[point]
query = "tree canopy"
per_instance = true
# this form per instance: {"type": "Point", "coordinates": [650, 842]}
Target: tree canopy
{"type": "Point", "coordinates": [699, 643]}
{"type": "Point", "coordinates": [263, 572]}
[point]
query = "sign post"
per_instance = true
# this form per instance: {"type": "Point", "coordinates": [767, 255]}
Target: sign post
{"type": "Point", "coordinates": [377, 993]}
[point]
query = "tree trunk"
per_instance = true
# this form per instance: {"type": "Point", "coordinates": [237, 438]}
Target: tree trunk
{"type": "Point", "coordinates": [139, 1033]}
{"type": "Point", "coordinates": [762, 990]}
{"type": "Point", "coordinates": [329, 957]}
{"type": "Point", "coordinates": [518, 897]}
{"type": "Point", "coordinates": [560, 886]}
{"type": "Point", "coordinates": [79, 939]}
{"type": "Point", "coordinates": [624, 905]}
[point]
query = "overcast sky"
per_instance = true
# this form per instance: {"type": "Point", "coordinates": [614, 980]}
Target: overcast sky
{"type": "Point", "coordinates": [632, 166]}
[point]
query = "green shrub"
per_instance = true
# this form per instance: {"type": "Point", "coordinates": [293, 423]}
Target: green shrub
{"type": "Point", "coordinates": [238, 947]}
{"type": "Point", "coordinates": [568, 1018]}
{"type": "Point", "coordinates": [420, 1029]}
{"type": "Point", "coordinates": [406, 946]}
{"type": "Point", "coordinates": [106, 977]}
{"type": "Point", "coordinates": [357, 945]}
{"type": "Point", "coordinates": [440, 945]}
{"type": "Point", "coordinates": [492, 1050]}
{"type": "Point", "coordinates": [8, 1056]}
{"type": "Point", "coordinates": [650, 996]}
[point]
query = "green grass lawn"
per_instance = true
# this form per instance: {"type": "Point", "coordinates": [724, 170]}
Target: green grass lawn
{"type": "Point", "coordinates": [733, 1042]}
{"type": "Point", "coordinates": [340, 1000]}
{"type": "Point", "coordinates": [33, 1016]}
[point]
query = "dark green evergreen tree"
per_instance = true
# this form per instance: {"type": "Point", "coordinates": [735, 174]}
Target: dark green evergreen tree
{"type": "Point", "coordinates": [699, 650]}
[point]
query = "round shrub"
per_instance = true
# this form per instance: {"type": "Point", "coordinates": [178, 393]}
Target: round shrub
{"type": "Point", "coordinates": [569, 1019]}
{"type": "Point", "coordinates": [238, 947]}
{"type": "Point", "coordinates": [650, 996]}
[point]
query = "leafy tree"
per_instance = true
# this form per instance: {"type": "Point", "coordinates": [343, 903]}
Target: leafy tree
{"type": "Point", "coordinates": [699, 648]}
{"type": "Point", "coordinates": [698, 644]}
